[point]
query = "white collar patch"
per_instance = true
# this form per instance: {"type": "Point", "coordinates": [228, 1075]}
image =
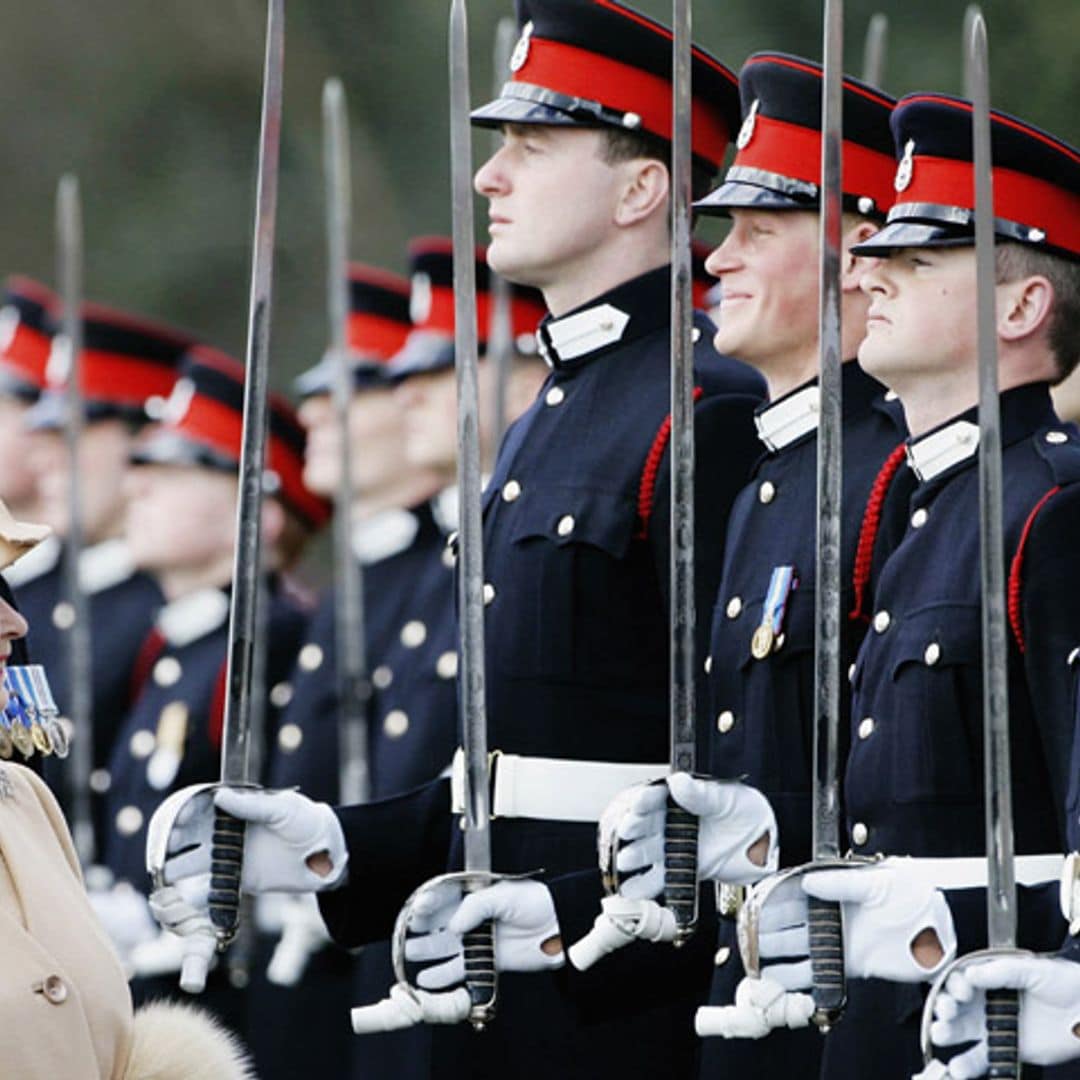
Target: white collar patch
{"type": "Point", "coordinates": [387, 533]}
{"type": "Point", "coordinates": [790, 418]}
{"type": "Point", "coordinates": [586, 331]}
{"type": "Point", "coordinates": [193, 616]}
{"type": "Point", "coordinates": [931, 455]}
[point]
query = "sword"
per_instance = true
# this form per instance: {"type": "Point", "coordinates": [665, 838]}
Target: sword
{"type": "Point", "coordinates": [69, 236]}
{"type": "Point", "coordinates": [353, 686]}
{"type": "Point", "coordinates": [228, 840]}
{"type": "Point", "coordinates": [1002, 1006]}
{"type": "Point", "coordinates": [681, 827]}
{"type": "Point", "coordinates": [875, 49]}
{"type": "Point", "coordinates": [500, 332]}
{"type": "Point", "coordinates": [479, 945]}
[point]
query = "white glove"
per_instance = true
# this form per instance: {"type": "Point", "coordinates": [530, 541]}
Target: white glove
{"type": "Point", "coordinates": [125, 915]}
{"type": "Point", "coordinates": [176, 914]}
{"type": "Point", "coordinates": [524, 916]}
{"type": "Point", "coordinates": [406, 1007]}
{"type": "Point", "coordinates": [621, 922]}
{"type": "Point", "coordinates": [1049, 1011]}
{"type": "Point", "coordinates": [284, 830]}
{"type": "Point", "coordinates": [303, 934]}
{"type": "Point", "coordinates": [761, 1005]}
{"type": "Point", "coordinates": [732, 818]}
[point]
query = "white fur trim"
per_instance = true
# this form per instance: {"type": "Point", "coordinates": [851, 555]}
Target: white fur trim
{"type": "Point", "coordinates": [179, 1042]}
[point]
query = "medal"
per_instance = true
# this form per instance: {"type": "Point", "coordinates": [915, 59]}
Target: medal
{"type": "Point", "coordinates": [762, 642]}
{"type": "Point", "coordinates": [41, 739]}
{"type": "Point", "coordinates": [7, 747]}
{"type": "Point", "coordinates": [769, 637]}
{"type": "Point", "coordinates": [34, 710]}
{"type": "Point", "coordinates": [58, 735]}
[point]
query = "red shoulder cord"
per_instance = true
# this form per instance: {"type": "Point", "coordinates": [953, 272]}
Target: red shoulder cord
{"type": "Point", "coordinates": [864, 553]}
{"type": "Point", "coordinates": [1016, 571]}
{"type": "Point", "coordinates": [152, 647]}
{"type": "Point", "coordinates": [647, 485]}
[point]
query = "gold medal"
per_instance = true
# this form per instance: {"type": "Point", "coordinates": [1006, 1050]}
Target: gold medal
{"type": "Point", "coordinates": [41, 739]}
{"type": "Point", "coordinates": [762, 642]}
{"type": "Point", "coordinates": [58, 735]}
{"type": "Point", "coordinates": [7, 747]}
{"type": "Point", "coordinates": [20, 736]}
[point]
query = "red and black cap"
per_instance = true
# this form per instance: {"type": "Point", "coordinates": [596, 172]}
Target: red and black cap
{"type": "Point", "coordinates": [378, 326]}
{"type": "Point", "coordinates": [777, 165]}
{"type": "Point", "coordinates": [27, 311]}
{"type": "Point", "coordinates": [598, 63]}
{"type": "Point", "coordinates": [1036, 181]}
{"type": "Point", "coordinates": [202, 424]}
{"type": "Point", "coordinates": [128, 368]}
{"type": "Point", "coordinates": [430, 345]}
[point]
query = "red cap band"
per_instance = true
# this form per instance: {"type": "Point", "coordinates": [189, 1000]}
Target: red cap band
{"type": "Point", "coordinates": [27, 354]}
{"type": "Point", "coordinates": [123, 380]}
{"type": "Point", "coordinates": [375, 335]}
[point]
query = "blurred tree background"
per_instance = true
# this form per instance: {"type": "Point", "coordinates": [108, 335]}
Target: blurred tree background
{"type": "Point", "coordinates": [155, 107]}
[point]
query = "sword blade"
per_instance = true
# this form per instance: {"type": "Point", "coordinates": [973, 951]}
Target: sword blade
{"type": "Point", "coordinates": [69, 235]}
{"type": "Point", "coordinates": [875, 49]}
{"type": "Point", "coordinates": [349, 637]}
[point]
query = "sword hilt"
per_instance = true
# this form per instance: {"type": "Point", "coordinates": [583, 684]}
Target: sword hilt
{"type": "Point", "coordinates": [681, 869]}
{"type": "Point", "coordinates": [826, 962]}
{"type": "Point", "coordinates": [1003, 1034]}
{"type": "Point", "coordinates": [480, 979]}
{"type": "Point", "coordinates": [226, 868]}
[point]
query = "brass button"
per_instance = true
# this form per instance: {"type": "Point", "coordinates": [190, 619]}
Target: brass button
{"type": "Point", "coordinates": [413, 634]}
{"type": "Point", "coordinates": [881, 621]}
{"type": "Point", "coordinates": [708, 665]}
{"type": "Point", "coordinates": [63, 616]}
{"type": "Point", "coordinates": [932, 654]}
{"type": "Point", "coordinates": [555, 396]}
{"type": "Point", "coordinates": [511, 491]}
{"type": "Point", "coordinates": [891, 395]}
{"type": "Point", "coordinates": [866, 727]}
{"type": "Point", "coordinates": [167, 671]}
{"type": "Point", "coordinates": [129, 820]}
{"type": "Point", "coordinates": [382, 677]}
{"type": "Point", "coordinates": [448, 557]}
{"type": "Point", "coordinates": [142, 744]}
{"type": "Point", "coordinates": [859, 833]}
{"type": "Point", "coordinates": [489, 592]}
{"type": "Point", "coordinates": [725, 721]}
{"type": "Point", "coordinates": [918, 519]}
{"type": "Point", "coordinates": [281, 694]}
{"type": "Point", "coordinates": [395, 723]}
{"type": "Point", "coordinates": [767, 492]}
{"type": "Point", "coordinates": [311, 657]}
{"type": "Point", "coordinates": [55, 990]}
{"type": "Point", "coordinates": [723, 955]}
{"type": "Point", "coordinates": [695, 334]}
{"type": "Point", "coordinates": [290, 737]}
{"type": "Point", "coordinates": [1056, 437]}
{"type": "Point", "coordinates": [1073, 656]}
{"type": "Point", "coordinates": [566, 525]}
{"type": "Point", "coordinates": [734, 606]}
{"type": "Point", "coordinates": [100, 781]}
{"type": "Point", "coordinates": [851, 673]}
{"type": "Point", "coordinates": [447, 664]}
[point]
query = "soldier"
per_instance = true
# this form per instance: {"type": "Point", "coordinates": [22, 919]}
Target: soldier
{"type": "Point", "coordinates": [576, 532]}
{"type": "Point", "coordinates": [127, 370]}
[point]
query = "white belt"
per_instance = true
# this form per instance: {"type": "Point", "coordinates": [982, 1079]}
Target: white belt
{"type": "Point", "coordinates": [965, 873]}
{"type": "Point", "coordinates": [552, 789]}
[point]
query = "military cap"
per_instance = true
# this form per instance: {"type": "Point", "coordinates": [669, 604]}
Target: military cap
{"type": "Point", "coordinates": [430, 344]}
{"type": "Point", "coordinates": [26, 329]}
{"type": "Point", "coordinates": [777, 163]}
{"type": "Point", "coordinates": [598, 63]}
{"type": "Point", "coordinates": [1036, 181]}
{"type": "Point", "coordinates": [378, 325]}
{"type": "Point", "coordinates": [128, 367]}
{"type": "Point", "coordinates": [202, 424]}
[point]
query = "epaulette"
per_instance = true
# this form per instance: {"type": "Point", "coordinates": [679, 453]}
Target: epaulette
{"type": "Point", "coordinates": [1059, 447]}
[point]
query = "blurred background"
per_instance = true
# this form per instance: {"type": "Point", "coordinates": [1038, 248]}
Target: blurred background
{"type": "Point", "coordinates": [155, 107]}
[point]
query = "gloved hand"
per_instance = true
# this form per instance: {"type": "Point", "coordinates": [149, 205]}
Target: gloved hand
{"type": "Point", "coordinates": [733, 817]}
{"type": "Point", "coordinates": [524, 916]}
{"type": "Point", "coordinates": [286, 832]}
{"type": "Point", "coordinates": [761, 1005]}
{"type": "Point", "coordinates": [620, 923]}
{"type": "Point", "coordinates": [176, 914]}
{"type": "Point", "coordinates": [1049, 1012]}
{"type": "Point", "coordinates": [406, 1007]}
{"type": "Point", "coordinates": [303, 934]}
{"type": "Point", "coordinates": [125, 915]}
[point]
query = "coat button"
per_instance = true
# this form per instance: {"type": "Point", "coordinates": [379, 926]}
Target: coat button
{"type": "Point", "coordinates": [142, 744]}
{"type": "Point", "coordinates": [734, 606]}
{"type": "Point", "coordinates": [725, 721]}
{"type": "Point", "coordinates": [449, 557]}
{"type": "Point", "coordinates": [708, 665]}
{"type": "Point", "coordinates": [311, 657]}
{"type": "Point", "coordinates": [859, 833]}
{"type": "Point", "coordinates": [767, 492]}
{"type": "Point", "coordinates": [881, 621]}
{"type": "Point", "coordinates": [1073, 656]}
{"type": "Point", "coordinates": [382, 677]}
{"type": "Point", "coordinates": [722, 956]}
{"type": "Point", "coordinates": [395, 723]}
{"type": "Point", "coordinates": [100, 781]}
{"type": "Point", "coordinates": [489, 592]}
{"type": "Point", "coordinates": [932, 654]}
{"type": "Point", "coordinates": [129, 820]}
{"type": "Point", "coordinates": [413, 634]}
{"type": "Point", "coordinates": [447, 664]}
{"type": "Point", "coordinates": [851, 673]}
{"type": "Point", "coordinates": [566, 525]}
{"type": "Point", "coordinates": [866, 727]}
{"type": "Point", "coordinates": [290, 737]}
{"type": "Point", "coordinates": [167, 671]}
{"type": "Point", "coordinates": [918, 519]}
{"type": "Point", "coordinates": [1056, 437]}
{"type": "Point", "coordinates": [695, 334]}
{"type": "Point", "coordinates": [511, 491]}
{"type": "Point", "coordinates": [54, 990]}
{"type": "Point", "coordinates": [555, 396]}
{"type": "Point", "coordinates": [281, 694]}
{"type": "Point", "coordinates": [63, 616]}
{"type": "Point", "coordinates": [891, 395]}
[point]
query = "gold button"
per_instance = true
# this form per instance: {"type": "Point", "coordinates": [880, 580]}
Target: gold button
{"type": "Point", "coordinates": [382, 677]}
{"type": "Point", "coordinates": [446, 665]}
{"type": "Point", "coordinates": [1073, 656]}
{"type": "Point", "coordinates": [129, 820]}
{"type": "Point", "coordinates": [866, 728]}
{"type": "Point", "coordinates": [555, 396]}
{"type": "Point", "coordinates": [918, 519]}
{"type": "Point", "coordinates": [511, 491]}
{"type": "Point", "coordinates": [280, 694]}
{"type": "Point", "coordinates": [932, 654]}
{"type": "Point", "coordinates": [63, 616]}
{"type": "Point", "coordinates": [100, 781]}
{"type": "Point", "coordinates": [890, 395]}
{"type": "Point", "coordinates": [695, 334]}
{"type": "Point", "coordinates": [448, 557]}
{"type": "Point", "coordinates": [142, 744]}
{"type": "Point", "coordinates": [722, 956]}
{"type": "Point", "coordinates": [395, 723]}
{"type": "Point", "coordinates": [725, 721]}
{"type": "Point", "coordinates": [489, 592]}
{"type": "Point", "coordinates": [290, 737]}
{"type": "Point", "coordinates": [55, 990]}
{"type": "Point", "coordinates": [851, 673]}
{"type": "Point", "coordinates": [1056, 437]}
{"type": "Point", "coordinates": [767, 492]}
{"type": "Point", "coordinates": [566, 525]}
{"type": "Point", "coordinates": [413, 634]}
{"type": "Point", "coordinates": [708, 665]}
{"type": "Point", "coordinates": [311, 657]}
{"type": "Point", "coordinates": [734, 606]}
{"type": "Point", "coordinates": [881, 621]}
{"type": "Point", "coordinates": [859, 833]}
{"type": "Point", "coordinates": [167, 671]}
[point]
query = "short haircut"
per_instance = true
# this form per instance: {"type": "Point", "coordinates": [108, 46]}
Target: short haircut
{"type": "Point", "coordinates": [622, 145]}
{"type": "Point", "coordinates": [1014, 261]}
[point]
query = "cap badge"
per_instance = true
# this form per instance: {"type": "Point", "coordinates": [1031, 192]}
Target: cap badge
{"type": "Point", "coordinates": [179, 401]}
{"type": "Point", "coordinates": [9, 325]}
{"type": "Point", "coordinates": [420, 299]}
{"type": "Point", "coordinates": [746, 132]}
{"type": "Point", "coordinates": [521, 49]}
{"type": "Point", "coordinates": [906, 167]}
{"type": "Point", "coordinates": [58, 366]}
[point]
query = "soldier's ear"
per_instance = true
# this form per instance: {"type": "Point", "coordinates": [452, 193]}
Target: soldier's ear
{"type": "Point", "coordinates": [1024, 307]}
{"type": "Point", "coordinates": [853, 267]}
{"type": "Point", "coordinates": [644, 192]}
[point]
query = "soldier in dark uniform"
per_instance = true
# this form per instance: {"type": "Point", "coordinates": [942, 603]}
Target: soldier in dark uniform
{"type": "Point", "coordinates": [128, 368]}
{"type": "Point", "coordinates": [576, 521]}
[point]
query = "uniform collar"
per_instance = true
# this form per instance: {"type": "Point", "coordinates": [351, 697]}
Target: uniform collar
{"type": "Point", "coordinates": [191, 617]}
{"type": "Point", "coordinates": [629, 311]}
{"type": "Point", "coordinates": [101, 566]}
{"type": "Point", "coordinates": [446, 506]}
{"type": "Point", "coordinates": [1024, 409]}
{"type": "Point", "coordinates": [37, 562]}
{"type": "Point", "coordinates": [386, 534]}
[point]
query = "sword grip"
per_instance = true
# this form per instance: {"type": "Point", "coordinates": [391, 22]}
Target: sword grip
{"type": "Point", "coordinates": [826, 962]}
{"type": "Point", "coordinates": [480, 981]}
{"type": "Point", "coordinates": [681, 869]}
{"type": "Point", "coordinates": [226, 867]}
{"type": "Point", "coordinates": [1003, 1033]}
